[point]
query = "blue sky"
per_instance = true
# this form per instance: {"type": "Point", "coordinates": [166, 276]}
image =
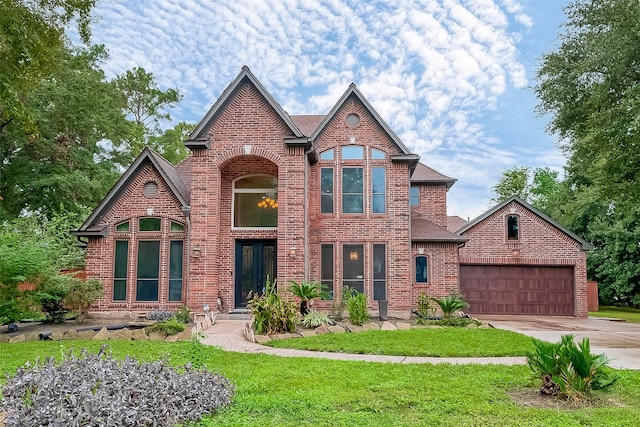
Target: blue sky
{"type": "Point", "coordinates": [451, 77]}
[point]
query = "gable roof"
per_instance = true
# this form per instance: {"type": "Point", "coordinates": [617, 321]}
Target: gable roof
{"type": "Point", "coordinates": [423, 174]}
{"type": "Point", "coordinates": [307, 123]}
{"type": "Point", "coordinates": [167, 171]}
{"type": "Point", "coordinates": [455, 223]}
{"type": "Point", "coordinates": [198, 138]}
{"type": "Point", "coordinates": [423, 230]}
{"type": "Point", "coordinates": [405, 155]}
{"type": "Point", "coordinates": [585, 245]}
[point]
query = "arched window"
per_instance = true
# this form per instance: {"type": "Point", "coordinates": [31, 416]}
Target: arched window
{"type": "Point", "coordinates": [255, 202]}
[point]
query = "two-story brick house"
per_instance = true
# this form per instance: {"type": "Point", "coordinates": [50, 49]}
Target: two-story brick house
{"type": "Point", "coordinates": [335, 198]}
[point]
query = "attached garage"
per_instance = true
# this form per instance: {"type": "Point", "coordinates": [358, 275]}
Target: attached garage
{"type": "Point", "coordinates": [517, 260]}
{"type": "Point", "coordinates": [518, 289]}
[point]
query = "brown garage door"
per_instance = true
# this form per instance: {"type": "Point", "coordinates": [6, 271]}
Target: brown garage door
{"type": "Point", "coordinates": [509, 289]}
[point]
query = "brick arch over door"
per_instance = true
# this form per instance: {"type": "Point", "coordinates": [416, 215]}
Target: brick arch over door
{"type": "Point", "coordinates": [518, 289]}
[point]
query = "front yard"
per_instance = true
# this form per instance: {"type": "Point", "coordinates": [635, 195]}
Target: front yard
{"type": "Point", "coordinates": [310, 392]}
{"type": "Point", "coordinates": [628, 314]}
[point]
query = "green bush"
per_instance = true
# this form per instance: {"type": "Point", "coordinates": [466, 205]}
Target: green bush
{"type": "Point", "coordinates": [313, 319]}
{"type": "Point", "coordinates": [183, 315]}
{"type": "Point", "coordinates": [569, 370]}
{"type": "Point", "coordinates": [81, 295]}
{"type": "Point", "coordinates": [424, 306]}
{"type": "Point", "coordinates": [357, 307]}
{"type": "Point", "coordinates": [458, 322]}
{"type": "Point", "coordinates": [450, 304]}
{"type": "Point", "coordinates": [306, 291]}
{"type": "Point", "coordinates": [271, 314]}
{"type": "Point", "coordinates": [168, 327]}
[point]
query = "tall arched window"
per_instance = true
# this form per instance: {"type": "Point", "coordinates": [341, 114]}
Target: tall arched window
{"type": "Point", "coordinates": [255, 202]}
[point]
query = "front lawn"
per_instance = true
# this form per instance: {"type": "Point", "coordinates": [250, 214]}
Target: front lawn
{"type": "Point", "coordinates": [440, 342]}
{"type": "Point", "coordinates": [314, 392]}
{"type": "Point", "coordinates": [629, 314]}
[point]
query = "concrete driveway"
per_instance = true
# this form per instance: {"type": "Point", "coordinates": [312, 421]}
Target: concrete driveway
{"type": "Point", "coordinates": [619, 340]}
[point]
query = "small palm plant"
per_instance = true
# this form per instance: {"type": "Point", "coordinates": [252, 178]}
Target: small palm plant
{"type": "Point", "coordinates": [450, 304]}
{"type": "Point", "coordinates": [306, 291]}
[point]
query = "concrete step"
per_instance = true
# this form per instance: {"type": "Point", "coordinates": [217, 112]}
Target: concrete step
{"type": "Point", "coordinates": [234, 315]}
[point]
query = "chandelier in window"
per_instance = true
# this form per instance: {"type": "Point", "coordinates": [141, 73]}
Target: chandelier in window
{"type": "Point", "coordinates": [268, 202]}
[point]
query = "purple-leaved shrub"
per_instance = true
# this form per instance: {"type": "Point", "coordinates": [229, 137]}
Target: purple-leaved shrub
{"type": "Point", "coordinates": [98, 390]}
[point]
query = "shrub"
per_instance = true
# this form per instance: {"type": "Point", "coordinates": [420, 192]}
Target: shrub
{"type": "Point", "coordinates": [313, 319]}
{"type": "Point", "coordinates": [569, 370]}
{"type": "Point", "coordinates": [81, 295]}
{"type": "Point", "coordinates": [357, 307]}
{"type": "Point", "coordinates": [168, 327]}
{"type": "Point", "coordinates": [306, 291]}
{"type": "Point", "coordinates": [338, 307]}
{"type": "Point", "coordinates": [160, 315]}
{"type": "Point", "coordinates": [183, 315]}
{"type": "Point", "coordinates": [450, 304]}
{"type": "Point", "coordinates": [424, 306]}
{"type": "Point", "coordinates": [98, 390]}
{"type": "Point", "coordinates": [458, 322]}
{"type": "Point", "coordinates": [51, 294]}
{"type": "Point", "coordinates": [271, 314]}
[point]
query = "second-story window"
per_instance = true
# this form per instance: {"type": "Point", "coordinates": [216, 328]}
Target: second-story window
{"type": "Point", "coordinates": [255, 202]}
{"type": "Point", "coordinates": [512, 227]}
{"type": "Point", "coordinates": [326, 190]}
{"type": "Point", "coordinates": [378, 190]}
{"type": "Point", "coordinates": [414, 196]}
{"type": "Point", "coordinates": [352, 190]}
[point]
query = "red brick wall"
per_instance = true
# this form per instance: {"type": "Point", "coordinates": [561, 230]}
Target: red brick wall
{"type": "Point", "coordinates": [539, 243]}
{"type": "Point", "coordinates": [433, 203]}
{"type": "Point", "coordinates": [131, 205]}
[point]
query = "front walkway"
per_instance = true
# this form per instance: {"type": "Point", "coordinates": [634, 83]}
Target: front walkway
{"type": "Point", "coordinates": [228, 334]}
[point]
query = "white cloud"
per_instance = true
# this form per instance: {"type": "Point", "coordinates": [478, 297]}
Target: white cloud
{"type": "Point", "coordinates": [431, 68]}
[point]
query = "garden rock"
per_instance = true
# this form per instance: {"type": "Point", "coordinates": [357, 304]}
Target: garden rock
{"type": "Point", "coordinates": [17, 338]}
{"type": "Point", "coordinates": [185, 335]}
{"type": "Point", "coordinates": [307, 333]}
{"type": "Point", "coordinates": [388, 326]}
{"type": "Point", "coordinates": [262, 339]}
{"type": "Point", "coordinates": [121, 334]}
{"type": "Point", "coordinates": [354, 328]}
{"type": "Point", "coordinates": [172, 338]}
{"type": "Point", "coordinates": [371, 327]}
{"type": "Point", "coordinates": [321, 330]}
{"type": "Point", "coordinates": [335, 329]}
{"type": "Point", "coordinates": [102, 335]}
{"type": "Point", "coordinates": [56, 336]}
{"type": "Point", "coordinates": [157, 336]}
{"type": "Point", "coordinates": [4, 339]}
{"type": "Point", "coordinates": [403, 325]}
{"type": "Point", "coordinates": [139, 335]}
{"type": "Point", "coordinates": [71, 335]}
{"type": "Point", "coordinates": [33, 336]}
{"type": "Point", "coordinates": [86, 335]}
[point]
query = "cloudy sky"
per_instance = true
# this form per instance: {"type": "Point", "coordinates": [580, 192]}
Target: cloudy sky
{"type": "Point", "coordinates": [451, 77]}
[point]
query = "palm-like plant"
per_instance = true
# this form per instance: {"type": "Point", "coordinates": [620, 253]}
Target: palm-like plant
{"type": "Point", "coordinates": [306, 291]}
{"type": "Point", "coordinates": [450, 304]}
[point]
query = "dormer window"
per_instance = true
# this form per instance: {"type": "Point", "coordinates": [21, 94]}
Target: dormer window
{"type": "Point", "coordinates": [513, 226]}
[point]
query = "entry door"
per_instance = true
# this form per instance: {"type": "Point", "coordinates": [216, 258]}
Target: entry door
{"type": "Point", "coordinates": [255, 260]}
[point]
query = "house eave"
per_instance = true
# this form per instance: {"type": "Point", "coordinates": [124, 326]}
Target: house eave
{"type": "Point", "coordinates": [199, 143]}
{"type": "Point", "coordinates": [411, 159]}
{"type": "Point", "coordinates": [102, 232]}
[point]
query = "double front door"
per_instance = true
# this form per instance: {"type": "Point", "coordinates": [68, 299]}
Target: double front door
{"type": "Point", "coordinates": [255, 261]}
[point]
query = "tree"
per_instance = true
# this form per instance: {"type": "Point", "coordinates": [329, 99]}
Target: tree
{"type": "Point", "coordinates": [590, 86]}
{"type": "Point", "coordinates": [32, 38]}
{"type": "Point", "coordinates": [540, 187]}
{"type": "Point", "coordinates": [146, 105]}
{"type": "Point", "coordinates": [66, 165]}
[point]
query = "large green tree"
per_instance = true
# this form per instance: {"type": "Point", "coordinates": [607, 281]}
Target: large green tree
{"type": "Point", "coordinates": [540, 187]}
{"type": "Point", "coordinates": [590, 87]}
{"type": "Point", "coordinates": [32, 39]}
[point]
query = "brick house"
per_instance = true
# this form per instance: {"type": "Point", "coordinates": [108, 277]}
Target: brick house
{"type": "Point", "coordinates": [336, 198]}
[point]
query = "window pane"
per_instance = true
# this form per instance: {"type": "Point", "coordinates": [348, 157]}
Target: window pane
{"type": "Point", "coordinates": [326, 267]}
{"type": "Point", "coordinates": [353, 267]}
{"type": "Point", "coordinates": [377, 154]}
{"type": "Point", "coordinates": [123, 226]}
{"type": "Point", "coordinates": [149, 224]}
{"type": "Point", "coordinates": [253, 210]}
{"type": "Point", "coordinates": [176, 226]}
{"type": "Point", "coordinates": [379, 272]}
{"type": "Point", "coordinates": [327, 155]}
{"type": "Point", "coordinates": [512, 227]}
{"type": "Point", "coordinates": [148, 270]}
{"type": "Point", "coordinates": [378, 190]}
{"type": "Point", "coordinates": [414, 196]}
{"type": "Point", "coordinates": [326, 190]}
{"type": "Point", "coordinates": [175, 270]}
{"type": "Point", "coordinates": [352, 152]}
{"type": "Point", "coordinates": [120, 270]}
{"type": "Point", "coordinates": [352, 188]}
{"type": "Point", "coordinates": [422, 275]}
{"type": "Point", "coordinates": [257, 181]}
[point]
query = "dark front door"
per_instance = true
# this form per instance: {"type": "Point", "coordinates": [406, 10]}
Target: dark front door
{"type": "Point", "coordinates": [255, 261]}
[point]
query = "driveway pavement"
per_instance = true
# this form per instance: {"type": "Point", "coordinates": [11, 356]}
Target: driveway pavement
{"type": "Point", "coordinates": [620, 341]}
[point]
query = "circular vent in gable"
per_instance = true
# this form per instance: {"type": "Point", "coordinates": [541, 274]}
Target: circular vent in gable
{"type": "Point", "coordinates": [150, 189]}
{"type": "Point", "coordinates": [353, 120]}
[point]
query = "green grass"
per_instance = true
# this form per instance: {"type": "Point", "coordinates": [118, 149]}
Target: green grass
{"type": "Point", "coordinates": [314, 392]}
{"type": "Point", "coordinates": [629, 314]}
{"type": "Point", "coordinates": [444, 342]}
